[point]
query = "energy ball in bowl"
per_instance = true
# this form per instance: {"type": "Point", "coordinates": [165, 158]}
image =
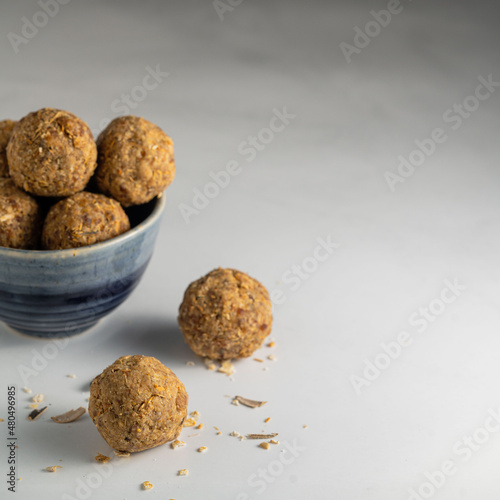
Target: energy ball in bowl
{"type": "Point", "coordinates": [21, 217]}
{"type": "Point", "coordinates": [6, 128]}
{"type": "Point", "coordinates": [51, 153]}
{"type": "Point", "coordinates": [137, 403]}
{"type": "Point", "coordinates": [225, 314]}
{"type": "Point", "coordinates": [83, 219]}
{"type": "Point", "coordinates": [135, 160]}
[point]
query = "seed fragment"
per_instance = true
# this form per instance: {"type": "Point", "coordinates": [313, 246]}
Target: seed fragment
{"type": "Point", "coordinates": [202, 449]}
{"type": "Point", "coordinates": [189, 363]}
{"type": "Point", "coordinates": [183, 472]}
{"type": "Point", "coordinates": [27, 390]}
{"type": "Point", "coordinates": [258, 360]}
{"type": "Point", "coordinates": [71, 375]}
{"type": "Point", "coordinates": [36, 413]}
{"type": "Point", "coordinates": [69, 416]}
{"type": "Point", "coordinates": [268, 419]}
{"type": "Point", "coordinates": [249, 402]}
{"type": "Point", "coordinates": [264, 445]}
{"type": "Point", "coordinates": [272, 357]}
{"type": "Point", "coordinates": [262, 436]}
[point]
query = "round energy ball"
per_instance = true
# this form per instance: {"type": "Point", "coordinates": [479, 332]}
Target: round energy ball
{"type": "Point", "coordinates": [225, 314]}
{"type": "Point", "coordinates": [135, 160]}
{"type": "Point", "coordinates": [6, 128]}
{"type": "Point", "coordinates": [51, 153]}
{"type": "Point", "coordinates": [83, 219]}
{"type": "Point", "coordinates": [137, 403]}
{"type": "Point", "coordinates": [21, 217]}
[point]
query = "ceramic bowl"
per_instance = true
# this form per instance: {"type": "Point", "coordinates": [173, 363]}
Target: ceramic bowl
{"type": "Point", "coordinates": [58, 293]}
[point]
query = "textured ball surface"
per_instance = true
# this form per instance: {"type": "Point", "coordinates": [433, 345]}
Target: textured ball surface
{"type": "Point", "coordinates": [225, 314]}
{"type": "Point", "coordinates": [137, 403]}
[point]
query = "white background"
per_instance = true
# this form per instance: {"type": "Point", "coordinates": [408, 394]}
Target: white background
{"type": "Point", "coordinates": [322, 176]}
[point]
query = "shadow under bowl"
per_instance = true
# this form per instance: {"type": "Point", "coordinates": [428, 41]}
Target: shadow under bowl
{"type": "Point", "coordinates": [59, 293]}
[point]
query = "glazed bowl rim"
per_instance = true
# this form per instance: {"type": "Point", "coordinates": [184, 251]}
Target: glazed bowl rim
{"type": "Point", "coordinates": [16, 253]}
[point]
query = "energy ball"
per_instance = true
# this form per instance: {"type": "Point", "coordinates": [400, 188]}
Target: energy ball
{"type": "Point", "coordinates": [51, 153]}
{"type": "Point", "coordinates": [135, 160]}
{"type": "Point", "coordinates": [83, 219]}
{"type": "Point", "coordinates": [225, 314]}
{"type": "Point", "coordinates": [21, 217]}
{"type": "Point", "coordinates": [137, 403]}
{"type": "Point", "coordinates": [6, 128]}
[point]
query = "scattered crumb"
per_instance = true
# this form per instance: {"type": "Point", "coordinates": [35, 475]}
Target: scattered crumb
{"type": "Point", "coordinates": [262, 436]}
{"type": "Point", "coordinates": [33, 405]}
{"type": "Point", "coordinates": [264, 445]}
{"type": "Point", "coordinates": [268, 419]}
{"type": "Point", "coordinates": [69, 416]}
{"type": "Point", "coordinates": [36, 413]}
{"type": "Point", "coordinates": [38, 398]}
{"type": "Point", "coordinates": [193, 435]}
{"type": "Point", "coordinates": [195, 414]}
{"type": "Point", "coordinates": [101, 458]}
{"type": "Point", "coordinates": [146, 485]}
{"type": "Point", "coordinates": [249, 402]}
{"type": "Point", "coordinates": [304, 426]}
{"type": "Point", "coordinates": [258, 360]}
{"type": "Point", "coordinates": [189, 422]}
{"type": "Point", "coordinates": [177, 444]}
{"type": "Point", "coordinates": [272, 441]}
{"type": "Point", "coordinates": [271, 344]}
{"type": "Point", "coordinates": [200, 426]}
{"type": "Point", "coordinates": [219, 433]}
{"type": "Point", "coordinates": [265, 369]}
{"type": "Point", "coordinates": [183, 472]}
{"type": "Point", "coordinates": [272, 357]}
{"type": "Point", "coordinates": [27, 390]}
{"type": "Point", "coordinates": [235, 402]}
{"type": "Point", "coordinates": [202, 449]}
{"type": "Point", "coordinates": [123, 454]}
{"type": "Point", "coordinates": [2, 420]}
{"type": "Point", "coordinates": [190, 363]}
{"type": "Point", "coordinates": [53, 468]}
{"type": "Point", "coordinates": [210, 364]}
{"type": "Point", "coordinates": [226, 367]}
{"type": "Point", "coordinates": [71, 375]}
{"type": "Point", "coordinates": [242, 438]}
{"type": "Point", "coordinates": [235, 434]}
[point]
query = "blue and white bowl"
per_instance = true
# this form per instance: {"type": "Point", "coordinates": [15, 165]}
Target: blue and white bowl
{"type": "Point", "coordinates": [59, 293]}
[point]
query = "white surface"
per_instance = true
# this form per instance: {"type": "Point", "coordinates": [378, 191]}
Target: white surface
{"type": "Point", "coordinates": [322, 176]}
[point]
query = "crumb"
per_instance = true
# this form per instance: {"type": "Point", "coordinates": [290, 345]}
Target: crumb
{"type": "Point", "coordinates": [177, 444]}
{"type": "Point", "coordinates": [258, 360]}
{"type": "Point", "coordinates": [189, 422]}
{"type": "Point", "coordinates": [2, 420]}
{"type": "Point", "coordinates": [265, 369]}
{"type": "Point", "coordinates": [304, 426]}
{"type": "Point", "coordinates": [200, 426]}
{"type": "Point", "coordinates": [53, 468]}
{"type": "Point", "coordinates": [235, 402]}
{"type": "Point", "coordinates": [272, 441]}
{"type": "Point", "coordinates": [183, 472]}
{"type": "Point", "coordinates": [235, 434]}
{"type": "Point", "coordinates": [69, 416]}
{"type": "Point", "coordinates": [71, 375]}
{"type": "Point", "coordinates": [272, 357]}
{"type": "Point", "coordinates": [226, 367]}
{"type": "Point", "coordinates": [264, 445]}
{"type": "Point", "coordinates": [195, 414]}
{"type": "Point", "coordinates": [242, 438]}
{"type": "Point", "coordinates": [101, 458]}
{"type": "Point", "coordinates": [146, 485]}
{"type": "Point", "coordinates": [190, 363]}
{"type": "Point", "coordinates": [271, 344]}
{"type": "Point", "coordinates": [38, 398]}
{"type": "Point", "coordinates": [27, 390]}
{"type": "Point", "coordinates": [202, 449]}
{"type": "Point", "coordinates": [123, 454]}
{"type": "Point", "coordinates": [33, 405]}
{"type": "Point", "coordinates": [210, 364]}
{"type": "Point", "coordinates": [268, 419]}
